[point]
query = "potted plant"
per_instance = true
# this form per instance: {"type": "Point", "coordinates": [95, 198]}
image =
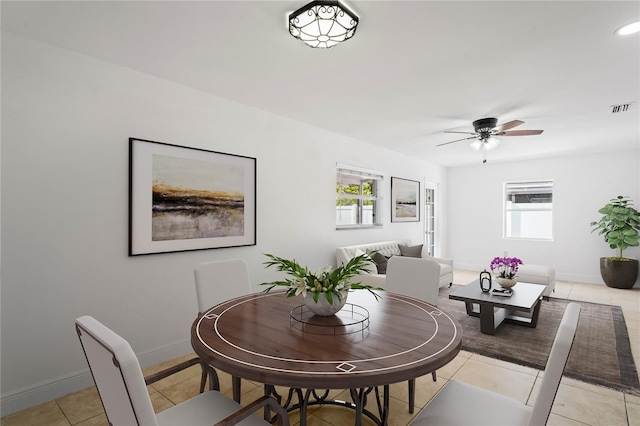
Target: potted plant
{"type": "Point", "coordinates": [505, 269]}
{"type": "Point", "coordinates": [325, 290]}
{"type": "Point", "coordinates": [619, 224]}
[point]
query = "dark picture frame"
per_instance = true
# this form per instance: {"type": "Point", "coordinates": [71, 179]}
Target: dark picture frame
{"type": "Point", "coordinates": [405, 200]}
{"type": "Point", "coordinates": [183, 199]}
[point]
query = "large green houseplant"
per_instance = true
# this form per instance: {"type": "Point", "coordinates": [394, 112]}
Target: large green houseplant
{"type": "Point", "coordinates": [619, 224]}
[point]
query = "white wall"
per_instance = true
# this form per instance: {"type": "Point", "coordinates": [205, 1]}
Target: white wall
{"type": "Point", "coordinates": [582, 185]}
{"type": "Point", "coordinates": [66, 123]}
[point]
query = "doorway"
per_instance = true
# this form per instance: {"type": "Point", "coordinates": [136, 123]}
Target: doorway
{"type": "Point", "coordinates": [430, 220]}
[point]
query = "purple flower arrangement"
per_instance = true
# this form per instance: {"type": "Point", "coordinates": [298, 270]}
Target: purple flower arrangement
{"type": "Point", "coordinates": [506, 267]}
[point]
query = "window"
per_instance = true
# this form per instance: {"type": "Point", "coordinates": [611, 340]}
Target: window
{"type": "Point", "coordinates": [357, 198]}
{"type": "Point", "coordinates": [528, 210]}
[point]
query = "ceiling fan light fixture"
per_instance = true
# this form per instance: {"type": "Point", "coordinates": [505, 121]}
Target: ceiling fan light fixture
{"type": "Point", "coordinates": [477, 144]}
{"type": "Point", "coordinates": [628, 29]}
{"type": "Point", "coordinates": [491, 143]}
{"type": "Point", "coordinates": [485, 144]}
{"type": "Point", "coordinates": [323, 23]}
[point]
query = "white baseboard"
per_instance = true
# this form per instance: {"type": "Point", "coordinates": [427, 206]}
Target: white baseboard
{"type": "Point", "coordinates": [468, 267]}
{"type": "Point", "coordinates": [44, 392]}
{"type": "Point", "coordinates": [580, 278]}
{"type": "Point", "coordinates": [47, 391]}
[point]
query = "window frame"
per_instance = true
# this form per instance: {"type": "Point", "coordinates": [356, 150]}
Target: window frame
{"type": "Point", "coordinates": [363, 175]}
{"type": "Point", "coordinates": [528, 186]}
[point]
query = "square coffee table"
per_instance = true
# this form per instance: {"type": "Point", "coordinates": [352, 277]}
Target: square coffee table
{"type": "Point", "coordinates": [493, 309]}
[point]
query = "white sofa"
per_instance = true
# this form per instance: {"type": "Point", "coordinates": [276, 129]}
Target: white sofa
{"type": "Point", "coordinates": [389, 248]}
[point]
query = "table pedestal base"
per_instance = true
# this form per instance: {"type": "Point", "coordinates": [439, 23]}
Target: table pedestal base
{"type": "Point", "coordinates": [311, 397]}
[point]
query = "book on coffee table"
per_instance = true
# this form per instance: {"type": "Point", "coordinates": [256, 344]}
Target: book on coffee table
{"type": "Point", "coordinates": [503, 292]}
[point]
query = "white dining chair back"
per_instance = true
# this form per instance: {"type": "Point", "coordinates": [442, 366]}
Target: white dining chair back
{"type": "Point", "coordinates": [221, 280]}
{"type": "Point", "coordinates": [555, 365]}
{"type": "Point", "coordinates": [218, 281]}
{"type": "Point", "coordinates": [484, 407]}
{"type": "Point", "coordinates": [116, 373]}
{"type": "Point", "coordinates": [418, 278]}
{"type": "Point", "coordinates": [123, 389]}
{"type": "Point", "coordinates": [414, 277]}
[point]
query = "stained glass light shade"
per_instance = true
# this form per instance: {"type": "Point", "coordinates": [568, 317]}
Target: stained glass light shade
{"type": "Point", "coordinates": [323, 24]}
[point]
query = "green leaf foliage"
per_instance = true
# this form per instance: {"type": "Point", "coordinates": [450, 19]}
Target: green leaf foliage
{"type": "Point", "coordinates": [330, 282]}
{"type": "Point", "coordinates": [619, 224]}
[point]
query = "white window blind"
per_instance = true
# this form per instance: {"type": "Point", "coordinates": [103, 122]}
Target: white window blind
{"type": "Point", "coordinates": [357, 197]}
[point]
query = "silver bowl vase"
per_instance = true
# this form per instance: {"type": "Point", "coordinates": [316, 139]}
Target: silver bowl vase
{"type": "Point", "coordinates": [322, 308]}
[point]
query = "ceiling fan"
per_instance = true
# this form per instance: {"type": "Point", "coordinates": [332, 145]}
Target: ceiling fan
{"type": "Point", "coordinates": [484, 131]}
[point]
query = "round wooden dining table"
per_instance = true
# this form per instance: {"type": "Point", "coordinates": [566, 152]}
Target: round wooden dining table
{"type": "Point", "coordinates": [271, 339]}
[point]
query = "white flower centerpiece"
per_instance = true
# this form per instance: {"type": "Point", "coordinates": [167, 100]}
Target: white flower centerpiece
{"type": "Point", "coordinates": [324, 290]}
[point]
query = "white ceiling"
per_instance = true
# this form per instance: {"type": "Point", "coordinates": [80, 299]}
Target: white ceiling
{"type": "Point", "coordinates": [413, 69]}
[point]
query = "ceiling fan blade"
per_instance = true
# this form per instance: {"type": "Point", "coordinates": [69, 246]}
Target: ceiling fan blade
{"type": "Point", "coordinates": [458, 140]}
{"type": "Point", "coordinates": [520, 133]}
{"type": "Point", "coordinates": [508, 125]}
{"type": "Point", "coordinates": [466, 133]}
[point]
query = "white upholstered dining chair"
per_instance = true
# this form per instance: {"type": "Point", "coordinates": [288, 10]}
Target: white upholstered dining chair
{"type": "Point", "coordinates": [218, 281]}
{"type": "Point", "coordinates": [123, 389]}
{"type": "Point", "coordinates": [459, 403]}
{"type": "Point", "coordinates": [418, 278]}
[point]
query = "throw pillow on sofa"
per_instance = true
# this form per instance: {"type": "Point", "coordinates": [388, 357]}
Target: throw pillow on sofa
{"type": "Point", "coordinates": [410, 251]}
{"type": "Point", "coordinates": [381, 262]}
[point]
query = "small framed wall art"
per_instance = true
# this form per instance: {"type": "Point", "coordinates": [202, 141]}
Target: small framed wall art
{"type": "Point", "coordinates": [405, 200]}
{"type": "Point", "coordinates": [184, 198]}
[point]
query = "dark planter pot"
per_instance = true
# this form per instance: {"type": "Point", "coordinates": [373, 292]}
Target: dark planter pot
{"type": "Point", "coordinates": [619, 273]}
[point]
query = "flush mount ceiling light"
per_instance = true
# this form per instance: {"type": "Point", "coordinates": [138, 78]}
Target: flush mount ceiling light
{"type": "Point", "coordinates": [631, 28]}
{"type": "Point", "coordinates": [323, 24]}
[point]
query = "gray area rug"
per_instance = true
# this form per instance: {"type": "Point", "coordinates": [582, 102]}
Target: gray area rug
{"type": "Point", "coordinates": [601, 352]}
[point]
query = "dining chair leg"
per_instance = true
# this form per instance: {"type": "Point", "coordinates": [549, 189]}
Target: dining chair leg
{"type": "Point", "coordinates": [384, 418]}
{"type": "Point", "coordinates": [269, 390]}
{"type": "Point", "coordinates": [214, 383]}
{"type": "Point", "coordinates": [203, 380]}
{"type": "Point", "coordinates": [412, 395]}
{"type": "Point", "coordinates": [236, 384]}
{"type": "Point", "coordinates": [412, 392]}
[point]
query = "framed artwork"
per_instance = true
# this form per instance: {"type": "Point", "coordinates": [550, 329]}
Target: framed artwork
{"type": "Point", "coordinates": [405, 200]}
{"type": "Point", "coordinates": [184, 199]}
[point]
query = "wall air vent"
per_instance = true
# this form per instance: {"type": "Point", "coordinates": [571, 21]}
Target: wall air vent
{"type": "Point", "coordinates": [620, 108]}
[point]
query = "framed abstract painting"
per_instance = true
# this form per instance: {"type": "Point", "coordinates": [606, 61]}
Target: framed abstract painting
{"type": "Point", "coordinates": [184, 198]}
{"type": "Point", "coordinates": [405, 200]}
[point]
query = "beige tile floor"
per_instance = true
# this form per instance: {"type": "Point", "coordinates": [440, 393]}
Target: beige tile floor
{"type": "Point", "coordinates": [577, 403]}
